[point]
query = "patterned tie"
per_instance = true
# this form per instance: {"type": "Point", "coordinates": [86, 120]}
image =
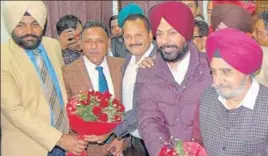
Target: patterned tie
{"type": "Point", "coordinates": [103, 86]}
{"type": "Point", "coordinates": [59, 116]}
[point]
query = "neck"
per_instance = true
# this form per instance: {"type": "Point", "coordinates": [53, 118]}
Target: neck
{"type": "Point", "coordinates": [137, 58]}
{"type": "Point", "coordinates": [235, 101]}
{"type": "Point", "coordinates": [174, 65]}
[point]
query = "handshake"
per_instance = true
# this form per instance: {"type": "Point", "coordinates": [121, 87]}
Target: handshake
{"type": "Point", "coordinates": [75, 144]}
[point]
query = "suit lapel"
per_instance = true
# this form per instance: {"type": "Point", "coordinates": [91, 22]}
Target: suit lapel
{"type": "Point", "coordinates": [24, 63]}
{"type": "Point", "coordinates": [83, 73]}
{"type": "Point", "coordinates": [115, 72]}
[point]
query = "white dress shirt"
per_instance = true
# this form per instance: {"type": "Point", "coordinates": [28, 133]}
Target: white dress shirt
{"type": "Point", "coordinates": [129, 80]}
{"type": "Point", "coordinates": [181, 69]}
{"type": "Point", "coordinates": [249, 100]}
{"type": "Point", "coordinates": [94, 74]}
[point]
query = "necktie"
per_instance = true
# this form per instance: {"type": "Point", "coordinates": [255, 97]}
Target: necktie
{"type": "Point", "coordinates": [59, 116]}
{"type": "Point", "coordinates": [103, 86]}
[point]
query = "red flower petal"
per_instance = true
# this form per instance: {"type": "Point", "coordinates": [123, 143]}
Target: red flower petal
{"type": "Point", "coordinates": [103, 117]}
{"type": "Point", "coordinates": [96, 111]}
{"type": "Point", "coordinates": [104, 103]}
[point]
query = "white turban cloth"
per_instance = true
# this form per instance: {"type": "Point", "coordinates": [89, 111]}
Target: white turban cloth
{"type": "Point", "coordinates": [13, 11]}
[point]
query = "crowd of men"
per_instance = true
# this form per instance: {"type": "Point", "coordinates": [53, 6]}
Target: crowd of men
{"type": "Point", "coordinates": [176, 75]}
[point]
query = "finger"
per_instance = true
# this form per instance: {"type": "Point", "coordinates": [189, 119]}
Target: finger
{"type": "Point", "coordinates": [151, 62]}
{"type": "Point", "coordinates": [82, 142]}
{"type": "Point", "coordinates": [70, 42]}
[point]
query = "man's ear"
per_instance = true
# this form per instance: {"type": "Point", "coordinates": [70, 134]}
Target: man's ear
{"type": "Point", "coordinates": [151, 35]}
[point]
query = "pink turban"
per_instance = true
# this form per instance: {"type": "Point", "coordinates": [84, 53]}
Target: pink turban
{"type": "Point", "coordinates": [236, 48]}
{"type": "Point", "coordinates": [177, 14]}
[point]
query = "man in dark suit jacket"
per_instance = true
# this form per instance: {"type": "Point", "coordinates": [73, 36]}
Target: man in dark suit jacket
{"type": "Point", "coordinates": [138, 41]}
{"type": "Point", "coordinates": [83, 74]}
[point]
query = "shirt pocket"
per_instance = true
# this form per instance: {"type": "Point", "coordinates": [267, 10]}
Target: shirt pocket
{"type": "Point", "coordinates": [255, 145]}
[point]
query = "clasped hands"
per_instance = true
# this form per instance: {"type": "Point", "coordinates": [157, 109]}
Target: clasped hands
{"type": "Point", "coordinates": [71, 143]}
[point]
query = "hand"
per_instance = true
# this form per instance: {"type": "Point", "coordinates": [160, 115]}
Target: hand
{"type": "Point", "coordinates": [98, 139]}
{"type": "Point", "coordinates": [67, 38]}
{"type": "Point", "coordinates": [116, 147]}
{"type": "Point", "coordinates": [72, 144]}
{"type": "Point", "coordinates": [147, 62]}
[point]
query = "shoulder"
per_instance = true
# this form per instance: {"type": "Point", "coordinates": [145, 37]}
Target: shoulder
{"type": "Point", "coordinates": [5, 55]}
{"type": "Point", "coordinates": [50, 40]}
{"type": "Point", "coordinates": [117, 61]}
{"type": "Point", "coordinates": [145, 75]}
{"type": "Point", "coordinates": [72, 66]}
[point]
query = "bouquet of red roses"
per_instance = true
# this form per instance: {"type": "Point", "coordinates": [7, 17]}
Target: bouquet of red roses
{"type": "Point", "coordinates": [179, 148]}
{"type": "Point", "coordinates": [94, 113]}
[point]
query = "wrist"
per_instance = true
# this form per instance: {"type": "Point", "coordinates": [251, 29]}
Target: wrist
{"type": "Point", "coordinates": [59, 143]}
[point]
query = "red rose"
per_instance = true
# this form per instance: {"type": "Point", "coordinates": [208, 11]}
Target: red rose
{"type": "Point", "coordinates": [116, 102]}
{"type": "Point", "coordinates": [103, 117]}
{"type": "Point", "coordinates": [98, 95]}
{"type": "Point", "coordinates": [104, 103]}
{"type": "Point", "coordinates": [121, 108]}
{"type": "Point", "coordinates": [84, 102]}
{"type": "Point", "coordinates": [107, 95]}
{"type": "Point", "coordinates": [117, 118]}
{"type": "Point", "coordinates": [96, 111]}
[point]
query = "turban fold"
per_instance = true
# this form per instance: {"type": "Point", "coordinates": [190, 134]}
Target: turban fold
{"type": "Point", "coordinates": [129, 9]}
{"type": "Point", "coordinates": [177, 14]}
{"type": "Point", "coordinates": [13, 11]}
{"type": "Point", "coordinates": [249, 5]}
{"type": "Point", "coordinates": [236, 48]}
{"type": "Point", "coordinates": [233, 16]}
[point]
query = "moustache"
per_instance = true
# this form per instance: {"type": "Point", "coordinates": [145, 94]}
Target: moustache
{"type": "Point", "coordinates": [169, 46]}
{"type": "Point", "coordinates": [29, 35]}
{"type": "Point", "coordinates": [220, 87]}
{"type": "Point", "coordinates": [133, 45]}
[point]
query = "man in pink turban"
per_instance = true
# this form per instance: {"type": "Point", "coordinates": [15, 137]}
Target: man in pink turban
{"type": "Point", "coordinates": [167, 95]}
{"type": "Point", "coordinates": [233, 112]}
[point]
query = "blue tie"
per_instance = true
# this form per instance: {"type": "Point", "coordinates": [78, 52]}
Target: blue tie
{"type": "Point", "coordinates": [103, 86]}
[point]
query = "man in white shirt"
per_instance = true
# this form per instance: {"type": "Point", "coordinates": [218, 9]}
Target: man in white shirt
{"type": "Point", "coordinates": [138, 40]}
{"type": "Point", "coordinates": [95, 70]}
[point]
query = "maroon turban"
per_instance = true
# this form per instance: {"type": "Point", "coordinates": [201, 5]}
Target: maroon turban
{"type": "Point", "coordinates": [177, 14]}
{"type": "Point", "coordinates": [236, 48]}
{"type": "Point", "coordinates": [232, 16]}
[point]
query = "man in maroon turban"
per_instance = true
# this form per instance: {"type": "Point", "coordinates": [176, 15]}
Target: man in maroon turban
{"type": "Point", "coordinates": [231, 16]}
{"type": "Point", "coordinates": [233, 112]}
{"type": "Point", "coordinates": [167, 95]}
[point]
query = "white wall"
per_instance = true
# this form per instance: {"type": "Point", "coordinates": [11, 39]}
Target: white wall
{"type": "Point", "coordinates": [4, 34]}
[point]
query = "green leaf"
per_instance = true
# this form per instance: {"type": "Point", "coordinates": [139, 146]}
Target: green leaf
{"type": "Point", "coordinates": [179, 148]}
{"type": "Point", "coordinates": [89, 118]}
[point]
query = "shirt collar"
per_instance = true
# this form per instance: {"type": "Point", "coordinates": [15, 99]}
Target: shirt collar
{"type": "Point", "coordinates": [91, 66]}
{"type": "Point", "coordinates": [250, 98]}
{"type": "Point", "coordinates": [146, 54]}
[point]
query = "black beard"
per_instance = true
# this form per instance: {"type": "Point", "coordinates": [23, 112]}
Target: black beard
{"type": "Point", "coordinates": [181, 52]}
{"type": "Point", "coordinates": [19, 41]}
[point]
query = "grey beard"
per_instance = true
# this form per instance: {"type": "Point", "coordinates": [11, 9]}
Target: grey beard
{"type": "Point", "coordinates": [233, 93]}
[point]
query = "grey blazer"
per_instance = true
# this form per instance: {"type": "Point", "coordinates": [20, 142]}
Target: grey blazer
{"type": "Point", "coordinates": [130, 123]}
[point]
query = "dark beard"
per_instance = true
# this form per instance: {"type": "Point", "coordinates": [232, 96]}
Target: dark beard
{"type": "Point", "coordinates": [25, 45]}
{"type": "Point", "coordinates": [180, 53]}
